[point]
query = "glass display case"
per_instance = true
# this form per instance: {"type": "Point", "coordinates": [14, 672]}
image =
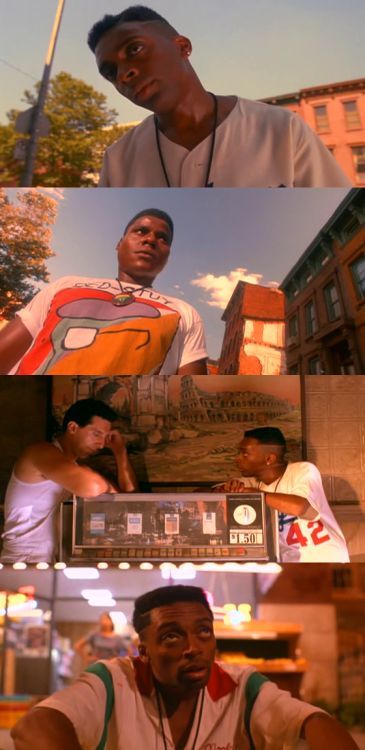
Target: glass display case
{"type": "Point", "coordinates": [169, 526]}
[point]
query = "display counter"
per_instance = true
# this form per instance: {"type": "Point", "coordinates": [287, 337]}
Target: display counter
{"type": "Point", "coordinates": [169, 526]}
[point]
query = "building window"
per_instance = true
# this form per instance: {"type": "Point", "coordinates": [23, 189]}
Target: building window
{"type": "Point", "coordinates": [348, 229]}
{"type": "Point", "coordinates": [310, 318]}
{"type": "Point", "coordinates": [293, 370]}
{"type": "Point", "coordinates": [321, 118]}
{"type": "Point", "coordinates": [332, 302]}
{"type": "Point", "coordinates": [293, 327]}
{"type": "Point", "coordinates": [341, 360]}
{"type": "Point", "coordinates": [352, 117]}
{"type": "Point", "coordinates": [314, 366]}
{"type": "Point", "coordinates": [358, 156]}
{"type": "Point", "coordinates": [358, 274]}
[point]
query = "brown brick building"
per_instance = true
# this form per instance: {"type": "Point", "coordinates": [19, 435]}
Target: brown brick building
{"type": "Point", "coordinates": [336, 112]}
{"type": "Point", "coordinates": [253, 342]}
{"type": "Point", "coordinates": [325, 297]}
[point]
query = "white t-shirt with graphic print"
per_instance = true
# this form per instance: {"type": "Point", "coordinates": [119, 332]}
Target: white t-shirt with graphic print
{"type": "Point", "coordinates": [77, 330]}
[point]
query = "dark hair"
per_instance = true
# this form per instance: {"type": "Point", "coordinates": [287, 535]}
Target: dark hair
{"type": "Point", "coordinates": [161, 597]}
{"type": "Point", "coordinates": [107, 614]}
{"type": "Point", "coordinates": [267, 436]}
{"type": "Point", "coordinates": [133, 13]}
{"type": "Point", "coordinates": [83, 411]}
{"type": "Point", "coordinates": [159, 215]}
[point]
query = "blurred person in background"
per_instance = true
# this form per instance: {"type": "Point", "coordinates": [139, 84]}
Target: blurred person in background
{"type": "Point", "coordinates": [104, 642]}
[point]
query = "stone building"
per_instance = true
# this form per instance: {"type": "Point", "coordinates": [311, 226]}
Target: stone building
{"type": "Point", "coordinates": [197, 405]}
{"type": "Point", "coordinates": [142, 399]}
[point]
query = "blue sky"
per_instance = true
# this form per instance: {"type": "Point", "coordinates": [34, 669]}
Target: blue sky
{"type": "Point", "coordinates": [254, 49]}
{"type": "Point", "coordinates": [260, 232]}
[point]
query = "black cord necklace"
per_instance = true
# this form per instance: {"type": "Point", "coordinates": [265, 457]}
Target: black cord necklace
{"type": "Point", "coordinates": [212, 145]}
{"type": "Point", "coordinates": [202, 693]}
{"type": "Point", "coordinates": [277, 483]}
{"type": "Point", "coordinates": [126, 296]}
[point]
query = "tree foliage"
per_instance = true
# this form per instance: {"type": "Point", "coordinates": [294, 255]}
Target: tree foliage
{"type": "Point", "coordinates": [25, 245]}
{"type": "Point", "coordinates": [10, 168]}
{"type": "Point", "coordinates": [73, 105]}
{"type": "Point", "coordinates": [82, 126]}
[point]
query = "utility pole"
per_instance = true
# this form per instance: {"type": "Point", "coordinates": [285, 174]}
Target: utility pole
{"type": "Point", "coordinates": [27, 179]}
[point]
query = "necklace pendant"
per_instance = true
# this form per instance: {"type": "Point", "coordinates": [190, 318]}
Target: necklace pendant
{"type": "Point", "coordinates": [123, 299]}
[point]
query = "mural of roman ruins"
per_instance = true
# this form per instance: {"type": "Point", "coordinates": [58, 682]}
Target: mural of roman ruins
{"type": "Point", "coordinates": [187, 429]}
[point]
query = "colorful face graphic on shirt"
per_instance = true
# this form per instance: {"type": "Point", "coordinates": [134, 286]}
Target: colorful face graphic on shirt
{"type": "Point", "coordinates": [84, 333]}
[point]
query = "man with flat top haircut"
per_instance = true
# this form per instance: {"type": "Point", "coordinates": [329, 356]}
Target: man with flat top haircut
{"type": "Point", "coordinates": [175, 695]}
{"type": "Point", "coordinates": [47, 473]}
{"type": "Point", "coordinates": [123, 326]}
{"type": "Point", "coordinates": [308, 530]}
{"type": "Point", "coordinates": [195, 138]}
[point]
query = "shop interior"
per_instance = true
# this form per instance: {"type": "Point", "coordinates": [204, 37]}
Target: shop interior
{"type": "Point", "coordinates": [182, 434]}
{"type": "Point", "coordinates": [301, 625]}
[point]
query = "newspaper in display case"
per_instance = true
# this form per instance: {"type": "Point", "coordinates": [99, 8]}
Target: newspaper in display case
{"type": "Point", "coordinates": [173, 526]}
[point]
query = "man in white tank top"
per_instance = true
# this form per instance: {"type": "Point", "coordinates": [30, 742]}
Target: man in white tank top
{"type": "Point", "coordinates": [47, 473]}
{"type": "Point", "coordinates": [308, 530]}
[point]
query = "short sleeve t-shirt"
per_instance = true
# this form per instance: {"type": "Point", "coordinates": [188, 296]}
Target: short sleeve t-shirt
{"type": "Point", "coordinates": [317, 538]}
{"type": "Point", "coordinates": [106, 647]}
{"type": "Point", "coordinates": [276, 719]}
{"type": "Point", "coordinates": [258, 145]}
{"type": "Point", "coordinates": [77, 330]}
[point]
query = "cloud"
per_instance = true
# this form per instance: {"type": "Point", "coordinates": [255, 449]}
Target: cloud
{"type": "Point", "coordinates": [274, 284]}
{"type": "Point", "coordinates": [220, 288]}
{"type": "Point", "coordinates": [56, 193]}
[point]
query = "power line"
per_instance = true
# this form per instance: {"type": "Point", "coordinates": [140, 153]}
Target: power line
{"type": "Point", "coordinates": [19, 70]}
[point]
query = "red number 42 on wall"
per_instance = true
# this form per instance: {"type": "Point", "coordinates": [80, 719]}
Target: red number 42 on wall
{"type": "Point", "coordinates": [318, 535]}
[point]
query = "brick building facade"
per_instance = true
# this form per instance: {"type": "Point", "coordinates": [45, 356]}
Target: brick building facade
{"type": "Point", "coordinates": [325, 297]}
{"type": "Point", "coordinates": [253, 342]}
{"type": "Point", "coordinates": [336, 112]}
